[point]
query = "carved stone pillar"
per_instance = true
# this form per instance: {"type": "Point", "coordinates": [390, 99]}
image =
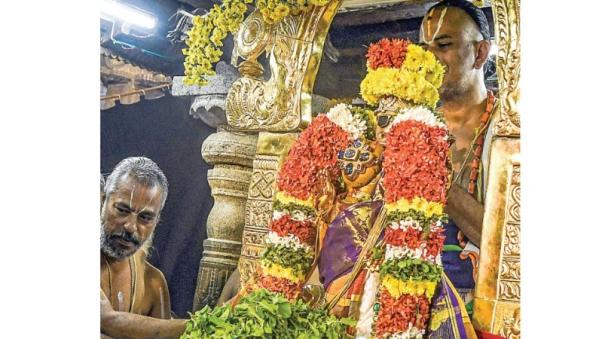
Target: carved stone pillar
{"type": "Point", "coordinates": [231, 154]}
{"type": "Point", "coordinates": [270, 152]}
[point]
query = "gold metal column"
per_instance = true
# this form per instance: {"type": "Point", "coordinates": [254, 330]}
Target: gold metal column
{"type": "Point", "coordinates": [498, 291]}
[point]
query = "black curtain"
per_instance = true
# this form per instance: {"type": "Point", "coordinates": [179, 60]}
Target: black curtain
{"type": "Point", "coordinates": [163, 131]}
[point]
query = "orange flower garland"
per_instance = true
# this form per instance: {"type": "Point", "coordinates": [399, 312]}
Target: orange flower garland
{"type": "Point", "coordinates": [290, 242]}
{"type": "Point", "coordinates": [303, 230]}
{"type": "Point", "coordinates": [316, 149]}
{"type": "Point", "coordinates": [387, 53]}
{"type": "Point", "coordinates": [424, 151]}
{"type": "Point", "coordinates": [415, 180]}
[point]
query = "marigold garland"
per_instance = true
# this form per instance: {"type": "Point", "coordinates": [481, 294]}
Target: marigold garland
{"type": "Point", "coordinates": [404, 70]}
{"type": "Point", "coordinates": [397, 288]}
{"type": "Point", "coordinates": [419, 204]}
{"type": "Point", "coordinates": [415, 180]}
{"type": "Point", "coordinates": [289, 254]}
{"type": "Point", "coordinates": [283, 272]}
{"type": "Point", "coordinates": [384, 82]}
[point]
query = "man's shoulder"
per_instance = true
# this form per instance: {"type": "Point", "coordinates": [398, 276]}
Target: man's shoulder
{"type": "Point", "coordinates": [153, 275]}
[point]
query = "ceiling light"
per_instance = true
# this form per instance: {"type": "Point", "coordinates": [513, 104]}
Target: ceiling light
{"type": "Point", "coordinates": [127, 14]}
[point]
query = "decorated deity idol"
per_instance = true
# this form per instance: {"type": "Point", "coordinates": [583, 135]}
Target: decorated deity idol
{"type": "Point", "coordinates": [361, 197]}
{"type": "Point", "coordinates": [379, 259]}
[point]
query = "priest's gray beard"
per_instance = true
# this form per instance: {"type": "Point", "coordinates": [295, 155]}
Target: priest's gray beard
{"type": "Point", "coordinates": [110, 248]}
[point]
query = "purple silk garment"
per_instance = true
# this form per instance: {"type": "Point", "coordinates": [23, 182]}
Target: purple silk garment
{"type": "Point", "coordinates": [344, 240]}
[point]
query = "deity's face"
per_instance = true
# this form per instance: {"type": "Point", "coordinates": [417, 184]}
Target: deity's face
{"type": "Point", "coordinates": [360, 163]}
{"type": "Point", "coordinates": [129, 216]}
{"type": "Point", "coordinates": [456, 44]}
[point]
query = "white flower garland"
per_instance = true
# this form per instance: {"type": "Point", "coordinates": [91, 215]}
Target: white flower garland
{"type": "Point", "coordinates": [291, 241]}
{"type": "Point", "coordinates": [342, 116]}
{"type": "Point", "coordinates": [295, 215]}
{"type": "Point", "coordinates": [418, 113]}
{"type": "Point", "coordinates": [405, 224]}
{"type": "Point", "coordinates": [403, 252]}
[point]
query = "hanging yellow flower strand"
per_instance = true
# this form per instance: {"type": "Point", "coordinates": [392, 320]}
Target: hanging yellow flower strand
{"type": "Point", "coordinates": [205, 39]}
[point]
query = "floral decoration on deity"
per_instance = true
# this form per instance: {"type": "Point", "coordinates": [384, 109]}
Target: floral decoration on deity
{"type": "Point", "coordinates": [415, 181]}
{"type": "Point", "coordinates": [314, 160]}
{"type": "Point", "coordinates": [205, 38]}
{"type": "Point", "coordinates": [401, 69]}
{"type": "Point", "coordinates": [342, 145]}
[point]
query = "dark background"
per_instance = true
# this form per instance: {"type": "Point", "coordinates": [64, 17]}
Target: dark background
{"type": "Point", "coordinates": [163, 131]}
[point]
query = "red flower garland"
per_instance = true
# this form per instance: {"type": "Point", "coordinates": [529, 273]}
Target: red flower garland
{"type": "Point", "coordinates": [434, 243]}
{"type": "Point", "coordinates": [411, 238]}
{"type": "Point", "coordinates": [423, 150]}
{"type": "Point", "coordinates": [280, 285]}
{"type": "Point", "coordinates": [395, 315]}
{"type": "Point", "coordinates": [316, 148]}
{"type": "Point", "coordinates": [285, 225]}
{"type": "Point", "coordinates": [387, 53]}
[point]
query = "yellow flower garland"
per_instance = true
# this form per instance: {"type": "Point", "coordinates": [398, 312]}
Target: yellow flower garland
{"type": "Point", "coordinates": [398, 287]}
{"type": "Point", "coordinates": [274, 11]}
{"type": "Point", "coordinates": [400, 83]}
{"type": "Point", "coordinates": [285, 199]}
{"type": "Point", "coordinates": [425, 63]}
{"type": "Point", "coordinates": [208, 32]}
{"type": "Point", "coordinates": [279, 271]}
{"type": "Point", "coordinates": [206, 37]}
{"type": "Point", "coordinates": [429, 208]}
{"type": "Point", "coordinates": [417, 79]}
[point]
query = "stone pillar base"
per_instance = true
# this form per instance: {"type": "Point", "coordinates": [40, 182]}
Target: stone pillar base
{"type": "Point", "coordinates": [231, 153]}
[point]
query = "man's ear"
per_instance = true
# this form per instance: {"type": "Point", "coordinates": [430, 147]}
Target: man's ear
{"type": "Point", "coordinates": [482, 53]}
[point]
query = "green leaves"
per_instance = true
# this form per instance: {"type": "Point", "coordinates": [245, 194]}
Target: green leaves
{"type": "Point", "coordinates": [299, 260]}
{"type": "Point", "coordinates": [411, 269]}
{"type": "Point", "coordinates": [284, 310]}
{"type": "Point", "coordinates": [263, 314]}
{"type": "Point", "coordinates": [425, 222]}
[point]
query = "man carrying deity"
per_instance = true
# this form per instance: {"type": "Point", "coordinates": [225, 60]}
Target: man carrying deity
{"type": "Point", "coordinates": [457, 32]}
{"type": "Point", "coordinates": [132, 200]}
